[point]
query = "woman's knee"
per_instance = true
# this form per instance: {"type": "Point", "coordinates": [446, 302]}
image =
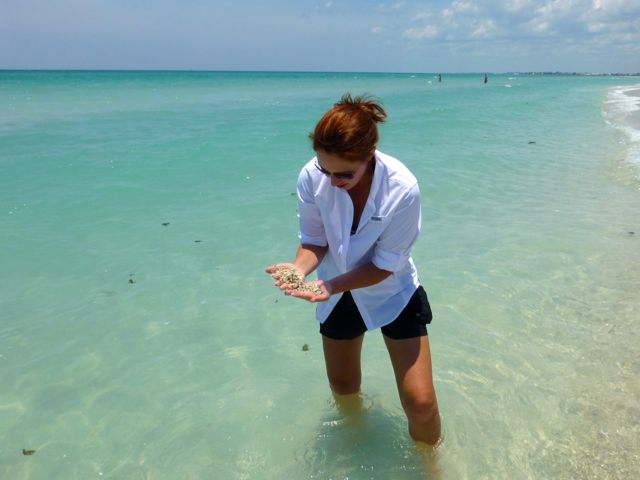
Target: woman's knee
{"type": "Point", "coordinates": [420, 403]}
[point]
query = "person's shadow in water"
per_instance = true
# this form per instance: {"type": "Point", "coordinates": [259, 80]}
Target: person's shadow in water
{"type": "Point", "coordinates": [358, 439]}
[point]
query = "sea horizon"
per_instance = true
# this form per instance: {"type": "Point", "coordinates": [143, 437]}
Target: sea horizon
{"type": "Point", "coordinates": [204, 70]}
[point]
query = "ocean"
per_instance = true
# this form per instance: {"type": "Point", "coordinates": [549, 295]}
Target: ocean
{"type": "Point", "coordinates": [141, 339]}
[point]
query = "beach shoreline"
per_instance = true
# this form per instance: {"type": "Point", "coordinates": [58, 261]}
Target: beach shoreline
{"type": "Point", "coordinates": [622, 112]}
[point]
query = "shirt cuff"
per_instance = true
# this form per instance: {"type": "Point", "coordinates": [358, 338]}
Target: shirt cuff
{"type": "Point", "coordinates": [389, 261]}
{"type": "Point", "coordinates": [319, 241]}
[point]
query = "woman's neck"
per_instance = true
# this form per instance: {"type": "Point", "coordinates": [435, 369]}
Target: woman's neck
{"type": "Point", "coordinates": [364, 185]}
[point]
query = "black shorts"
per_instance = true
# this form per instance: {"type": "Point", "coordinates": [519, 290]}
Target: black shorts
{"type": "Point", "coordinates": [345, 322]}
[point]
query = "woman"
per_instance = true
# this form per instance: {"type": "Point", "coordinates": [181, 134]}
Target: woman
{"type": "Point", "coordinates": [359, 215]}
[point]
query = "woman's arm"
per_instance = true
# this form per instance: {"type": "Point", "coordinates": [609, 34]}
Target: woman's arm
{"type": "Point", "coordinates": [363, 276]}
{"type": "Point", "coordinates": [308, 257]}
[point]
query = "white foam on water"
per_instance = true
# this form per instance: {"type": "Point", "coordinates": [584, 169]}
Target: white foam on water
{"type": "Point", "coordinates": [622, 99]}
{"type": "Point", "coordinates": [622, 111]}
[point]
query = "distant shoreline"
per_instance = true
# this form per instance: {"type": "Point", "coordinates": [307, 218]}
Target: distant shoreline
{"type": "Point", "coordinates": [530, 73]}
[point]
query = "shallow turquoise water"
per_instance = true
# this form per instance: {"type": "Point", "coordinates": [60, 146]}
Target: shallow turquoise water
{"type": "Point", "coordinates": [195, 370]}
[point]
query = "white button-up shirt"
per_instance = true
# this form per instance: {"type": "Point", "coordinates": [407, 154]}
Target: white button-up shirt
{"type": "Point", "coordinates": [388, 228]}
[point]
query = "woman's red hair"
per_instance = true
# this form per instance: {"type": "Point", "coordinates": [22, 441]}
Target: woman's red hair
{"type": "Point", "coordinates": [349, 130]}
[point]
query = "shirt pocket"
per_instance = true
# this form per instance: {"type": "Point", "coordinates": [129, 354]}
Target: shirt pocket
{"type": "Point", "coordinates": [374, 225]}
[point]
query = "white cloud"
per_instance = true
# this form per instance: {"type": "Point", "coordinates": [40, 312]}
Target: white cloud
{"type": "Point", "coordinates": [428, 31]}
{"type": "Point", "coordinates": [377, 30]}
{"type": "Point", "coordinates": [422, 16]}
{"type": "Point", "coordinates": [539, 26]}
{"type": "Point", "coordinates": [597, 27]}
{"type": "Point", "coordinates": [448, 14]}
{"type": "Point", "coordinates": [394, 6]}
{"type": "Point", "coordinates": [615, 6]}
{"type": "Point", "coordinates": [462, 6]}
{"type": "Point", "coordinates": [515, 6]}
{"type": "Point", "coordinates": [558, 8]}
{"type": "Point", "coordinates": [576, 20]}
{"type": "Point", "coordinates": [484, 29]}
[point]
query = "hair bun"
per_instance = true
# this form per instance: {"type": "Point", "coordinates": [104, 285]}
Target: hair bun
{"type": "Point", "coordinates": [365, 103]}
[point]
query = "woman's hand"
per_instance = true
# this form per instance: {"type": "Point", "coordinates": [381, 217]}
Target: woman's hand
{"type": "Point", "coordinates": [290, 279]}
{"type": "Point", "coordinates": [319, 291]}
{"type": "Point", "coordinates": [286, 275]}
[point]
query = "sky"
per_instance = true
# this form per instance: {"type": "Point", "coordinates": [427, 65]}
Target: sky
{"type": "Point", "coordinates": [594, 36]}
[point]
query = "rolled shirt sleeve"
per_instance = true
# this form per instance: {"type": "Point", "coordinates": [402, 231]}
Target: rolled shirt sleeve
{"type": "Point", "coordinates": [393, 248]}
{"type": "Point", "coordinates": [311, 227]}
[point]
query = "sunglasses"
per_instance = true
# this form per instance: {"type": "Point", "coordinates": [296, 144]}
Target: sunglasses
{"type": "Point", "coordinates": [338, 175]}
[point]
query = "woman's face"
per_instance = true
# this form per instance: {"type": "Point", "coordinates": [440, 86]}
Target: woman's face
{"type": "Point", "coordinates": [343, 173]}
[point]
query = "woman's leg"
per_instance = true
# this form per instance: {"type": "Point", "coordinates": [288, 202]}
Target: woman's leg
{"type": "Point", "coordinates": [411, 361]}
{"type": "Point", "coordinates": [342, 359]}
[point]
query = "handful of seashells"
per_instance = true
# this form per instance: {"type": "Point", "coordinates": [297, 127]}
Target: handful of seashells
{"type": "Point", "coordinates": [290, 276]}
